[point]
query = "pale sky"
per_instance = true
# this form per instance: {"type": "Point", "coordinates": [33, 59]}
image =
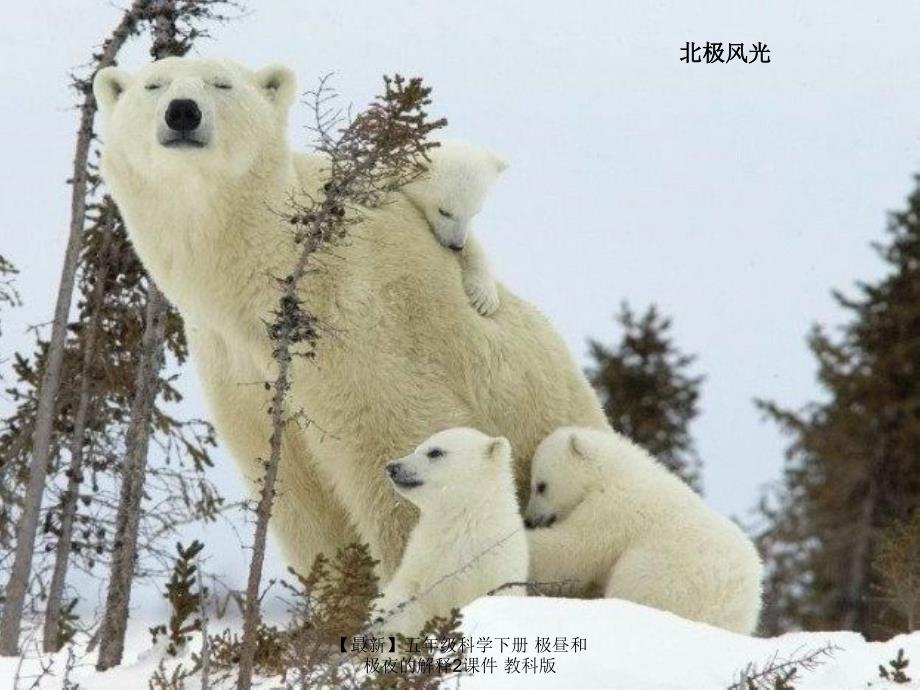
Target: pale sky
{"type": "Point", "coordinates": [733, 196]}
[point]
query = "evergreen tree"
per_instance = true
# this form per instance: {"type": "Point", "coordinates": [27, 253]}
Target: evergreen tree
{"type": "Point", "coordinates": [853, 467]}
{"type": "Point", "coordinates": [647, 392]}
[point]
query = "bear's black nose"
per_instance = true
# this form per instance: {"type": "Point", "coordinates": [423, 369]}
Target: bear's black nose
{"type": "Point", "coordinates": [539, 521]}
{"type": "Point", "coordinates": [183, 115]}
{"type": "Point", "coordinates": [393, 469]}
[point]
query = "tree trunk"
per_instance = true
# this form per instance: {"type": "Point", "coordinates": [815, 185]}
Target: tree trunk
{"type": "Point", "coordinates": [282, 355]}
{"type": "Point", "coordinates": [127, 521]}
{"type": "Point", "coordinates": [78, 439]}
{"type": "Point", "coordinates": [205, 679]}
{"type": "Point", "coordinates": [27, 528]}
{"type": "Point", "coordinates": [115, 620]}
{"type": "Point", "coordinates": [252, 615]}
{"type": "Point", "coordinates": [854, 614]}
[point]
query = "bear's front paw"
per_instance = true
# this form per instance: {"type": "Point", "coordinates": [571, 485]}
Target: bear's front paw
{"type": "Point", "coordinates": [483, 295]}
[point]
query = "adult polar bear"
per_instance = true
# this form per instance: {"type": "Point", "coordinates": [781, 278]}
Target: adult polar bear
{"type": "Point", "coordinates": [197, 159]}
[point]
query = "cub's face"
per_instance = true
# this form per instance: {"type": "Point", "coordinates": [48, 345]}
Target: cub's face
{"type": "Point", "coordinates": [448, 466]}
{"type": "Point", "coordinates": [453, 190]}
{"type": "Point", "coordinates": [562, 473]}
{"type": "Point", "coordinates": [180, 115]}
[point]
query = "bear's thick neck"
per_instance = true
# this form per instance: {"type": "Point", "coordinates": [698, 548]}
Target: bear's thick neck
{"type": "Point", "coordinates": [229, 239]}
{"type": "Point", "coordinates": [498, 500]}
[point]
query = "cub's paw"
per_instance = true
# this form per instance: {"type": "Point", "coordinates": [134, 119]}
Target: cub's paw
{"type": "Point", "coordinates": [483, 295]}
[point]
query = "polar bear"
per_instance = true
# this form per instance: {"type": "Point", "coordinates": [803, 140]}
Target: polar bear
{"type": "Point", "coordinates": [195, 154]}
{"type": "Point", "coordinates": [469, 540]}
{"type": "Point", "coordinates": [449, 194]}
{"type": "Point", "coordinates": [613, 517]}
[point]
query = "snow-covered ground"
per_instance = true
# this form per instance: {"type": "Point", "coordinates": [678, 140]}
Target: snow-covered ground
{"type": "Point", "coordinates": [606, 644]}
{"type": "Point", "coordinates": [632, 647]}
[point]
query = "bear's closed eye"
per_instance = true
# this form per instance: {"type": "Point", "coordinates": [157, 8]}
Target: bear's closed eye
{"type": "Point", "coordinates": [435, 453]}
{"type": "Point", "coordinates": [541, 487]}
{"type": "Point", "coordinates": [445, 213]}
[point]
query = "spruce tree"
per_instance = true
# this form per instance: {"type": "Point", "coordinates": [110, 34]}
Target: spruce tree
{"type": "Point", "coordinates": [647, 392]}
{"type": "Point", "coordinates": [853, 467]}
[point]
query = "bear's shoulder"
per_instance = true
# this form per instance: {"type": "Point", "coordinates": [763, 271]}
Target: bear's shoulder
{"type": "Point", "coordinates": [312, 170]}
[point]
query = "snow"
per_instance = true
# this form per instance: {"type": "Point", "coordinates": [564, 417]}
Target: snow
{"type": "Point", "coordinates": [633, 647]}
{"type": "Point", "coordinates": [626, 646]}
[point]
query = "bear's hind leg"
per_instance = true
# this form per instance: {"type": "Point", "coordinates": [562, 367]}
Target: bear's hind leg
{"type": "Point", "coordinates": [698, 591]}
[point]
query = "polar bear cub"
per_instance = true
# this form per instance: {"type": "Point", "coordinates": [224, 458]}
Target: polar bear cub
{"type": "Point", "coordinates": [470, 536]}
{"type": "Point", "coordinates": [614, 518]}
{"type": "Point", "coordinates": [449, 194]}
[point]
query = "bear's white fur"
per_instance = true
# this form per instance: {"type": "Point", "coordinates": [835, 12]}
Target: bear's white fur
{"type": "Point", "coordinates": [402, 355]}
{"type": "Point", "coordinates": [620, 521]}
{"type": "Point", "coordinates": [449, 194]}
{"type": "Point", "coordinates": [469, 539]}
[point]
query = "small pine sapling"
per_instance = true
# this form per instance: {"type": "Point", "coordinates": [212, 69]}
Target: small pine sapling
{"type": "Point", "coordinates": [332, 602]}
{"type": "Point", "coordinates": [896, 672]}
{"type": "Point", "coordinates": [164, 679]}
{"type": "Point", "coordinates": [270, 655]}
{"type": "Point", "coordinates": [68, 623]}
{"type": "Point", "coordinates": [342, 590]}
{"type": "Point", "coordinates": [185, 594]}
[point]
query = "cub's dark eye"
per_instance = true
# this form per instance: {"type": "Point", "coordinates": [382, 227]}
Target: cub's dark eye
{"type": "Point", "coordinates": [435, 453]}
{"type": "Point", "coordinates": [153, 86]}
{"type": "Point", "coordinates": [541, 487]}
{"type": "Point", "coordinates": [225, 85]}
{"type": "Point", "coordinates": [445, 213]}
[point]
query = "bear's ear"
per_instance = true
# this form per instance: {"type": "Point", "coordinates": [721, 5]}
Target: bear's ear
{"type": "Point", "coordinates": [501, 165]}
{"type": "Point", "coordinates": [278, 83]}
{"type": "Point", "coordinates": [577, 446]}
{"type": "Point", "coordinates": [498, 448]}
{"type": "Point", "coordinates": [108, 84]}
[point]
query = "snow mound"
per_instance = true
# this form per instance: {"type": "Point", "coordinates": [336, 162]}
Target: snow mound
{"type": "Point", "coordinates": [632, 647]}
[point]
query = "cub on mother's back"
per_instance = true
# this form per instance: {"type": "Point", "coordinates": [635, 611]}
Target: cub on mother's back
{"type": "Point", "coordinates": [450, 193]}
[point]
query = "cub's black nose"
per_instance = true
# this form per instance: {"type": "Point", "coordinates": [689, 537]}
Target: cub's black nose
{"type": "Point", "coordinates": [393, 469]}
{"type": "Point", "coordinates": [183, 115]}
{"type": "Point", "coordinates": [539, 521]}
